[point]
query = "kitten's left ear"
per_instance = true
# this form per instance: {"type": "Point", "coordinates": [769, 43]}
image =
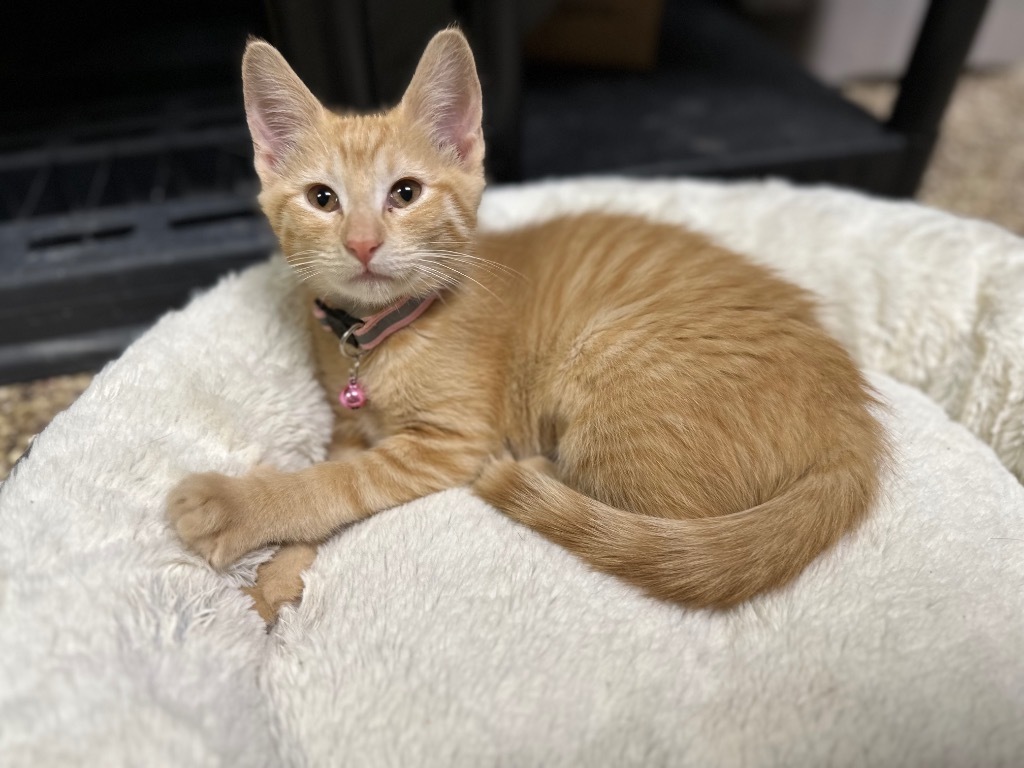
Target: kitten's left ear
{"type": "Point", "coordinates": [444, 97]}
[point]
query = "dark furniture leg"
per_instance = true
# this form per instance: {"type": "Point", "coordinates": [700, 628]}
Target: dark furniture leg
{"type": "Point", "coordinates": [942, 46]}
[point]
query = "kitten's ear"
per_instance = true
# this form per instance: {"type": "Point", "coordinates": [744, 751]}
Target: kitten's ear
{"type": "Point", "coordinates": [444, 97]}
{"type": "Point", "coordinates": [279, 108]}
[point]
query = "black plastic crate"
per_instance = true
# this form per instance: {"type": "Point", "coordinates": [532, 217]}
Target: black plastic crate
{"type": "Point", "coordinates": [723, 101]}
{"type": "Point", "coordinates": [107, 224]}
{"type": "Point", "coordinates": [126, 177]}
{"type": "Point", "coordinates": [133, 186]}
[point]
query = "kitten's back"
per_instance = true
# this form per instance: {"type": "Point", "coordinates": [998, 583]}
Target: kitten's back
{"type": "Point", "coordinates": [669, 378]}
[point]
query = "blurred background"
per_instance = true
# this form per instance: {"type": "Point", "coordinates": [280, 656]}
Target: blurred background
{"type": "Point", "coordinates": [125, 165]}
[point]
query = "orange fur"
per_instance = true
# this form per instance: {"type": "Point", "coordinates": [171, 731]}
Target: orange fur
{"type": "Point", "coordinates": [668, 411]}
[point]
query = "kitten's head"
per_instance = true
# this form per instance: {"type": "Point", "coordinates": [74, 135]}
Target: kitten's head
{"type": "Point", "coordinates": [370, 208]}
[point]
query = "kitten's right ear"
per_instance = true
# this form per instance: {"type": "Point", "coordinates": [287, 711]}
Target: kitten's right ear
{"type": "Point", "coordinates": [279, 108]}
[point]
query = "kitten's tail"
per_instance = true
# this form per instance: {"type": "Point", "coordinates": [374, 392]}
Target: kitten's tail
{"type": "Point", "coordinates": [698, 561]}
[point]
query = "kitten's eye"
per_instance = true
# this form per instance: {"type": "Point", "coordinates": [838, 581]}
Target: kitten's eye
{"type": "Point", "coordinates": [322, 197]}
{"type": "Point", "coordinates": [404, 192]}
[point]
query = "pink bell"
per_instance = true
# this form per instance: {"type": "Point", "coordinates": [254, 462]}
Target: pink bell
{"type": "Point", "coordinates": [352, 396]}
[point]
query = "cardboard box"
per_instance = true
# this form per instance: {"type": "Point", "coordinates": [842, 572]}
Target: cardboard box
{"type": "Point", "coordinates": [612, 34]}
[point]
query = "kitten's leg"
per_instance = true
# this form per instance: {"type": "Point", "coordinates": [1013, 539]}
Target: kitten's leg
{"type": "Point", "coordinates": [279, 580]}
{"type": "Point", "coordinates": [223, 517]}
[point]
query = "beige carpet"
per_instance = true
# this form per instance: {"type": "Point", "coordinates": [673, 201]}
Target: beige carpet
{"type": "Point", "coordinates": [978, 167]}
{"type": "Point", "coordinates": [977, 171]}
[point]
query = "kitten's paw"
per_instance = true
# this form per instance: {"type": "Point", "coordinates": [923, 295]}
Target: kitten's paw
{"type": "Point", "coordinates": [213, 515]}
{"type": "Point", "coordinates": [279, 580]}
{"type": "Point", "coordinates": [262, 606]}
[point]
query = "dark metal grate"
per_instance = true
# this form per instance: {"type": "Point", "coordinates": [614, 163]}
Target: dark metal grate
{"type": "Point", "coordinates": [107, 223]}
{"type": "Point", "coordinates": [166, 156]}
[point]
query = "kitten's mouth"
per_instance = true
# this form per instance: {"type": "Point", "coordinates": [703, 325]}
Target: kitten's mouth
{"type": "Point", "coordinates": [369, 276]}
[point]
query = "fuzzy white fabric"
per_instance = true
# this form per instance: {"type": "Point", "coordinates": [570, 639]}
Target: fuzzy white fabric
{"type": "Point", "coordinates": [441, 633]}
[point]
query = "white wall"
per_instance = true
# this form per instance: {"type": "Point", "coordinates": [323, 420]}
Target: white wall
{"type": "Point", "coordinates": [858, 38]}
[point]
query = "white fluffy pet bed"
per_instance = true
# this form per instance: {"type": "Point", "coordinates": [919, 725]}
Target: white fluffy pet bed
{"type": "Point", "coordinates": [442, 634]}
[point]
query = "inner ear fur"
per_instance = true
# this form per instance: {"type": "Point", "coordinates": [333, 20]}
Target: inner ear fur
{"type": "Point", "coordinates": [444, 97]}
{"type": "Point", "coordinates": [279, 108]}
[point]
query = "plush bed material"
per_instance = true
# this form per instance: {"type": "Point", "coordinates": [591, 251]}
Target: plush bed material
{"type": "Point", "coordinates": [441, 633]}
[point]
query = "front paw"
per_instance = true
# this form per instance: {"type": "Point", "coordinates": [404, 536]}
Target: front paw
{"type": "Point", "coordinates": [214, 515]}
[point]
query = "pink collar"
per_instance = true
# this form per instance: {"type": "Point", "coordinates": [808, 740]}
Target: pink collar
{"type": "Point", "coordinates": [368, 332]}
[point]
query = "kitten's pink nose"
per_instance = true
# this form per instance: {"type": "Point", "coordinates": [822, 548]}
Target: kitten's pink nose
{"type": "Point", "coordinates": [362, 248]}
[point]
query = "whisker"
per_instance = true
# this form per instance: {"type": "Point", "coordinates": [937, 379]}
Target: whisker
{"type": "Point", "coordinates": [307, 272]}
{"type": "Point", "coordinates": [438, 281]}
{"type": "Point", "coordinates": [444, 278]}
{"type": "Point", "coordinates": [471, 279]}
{"type": "Point", "coordinates": [494, 270]}
{"type": "Point", "coordinates": [478, 260]}
{"type": "Point", "coordinates": [306, 253]}
{"type": "Point", "coordinates": [469, 265]}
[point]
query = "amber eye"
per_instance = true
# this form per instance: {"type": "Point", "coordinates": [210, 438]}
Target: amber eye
{"type": "Point", "coordinates": [322, 197]}
{"type": "Point", "coordinates": [404, 192]}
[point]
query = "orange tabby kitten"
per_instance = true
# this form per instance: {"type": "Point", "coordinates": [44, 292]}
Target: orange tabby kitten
{"type": "Point", "coordinates": [666, 410]}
